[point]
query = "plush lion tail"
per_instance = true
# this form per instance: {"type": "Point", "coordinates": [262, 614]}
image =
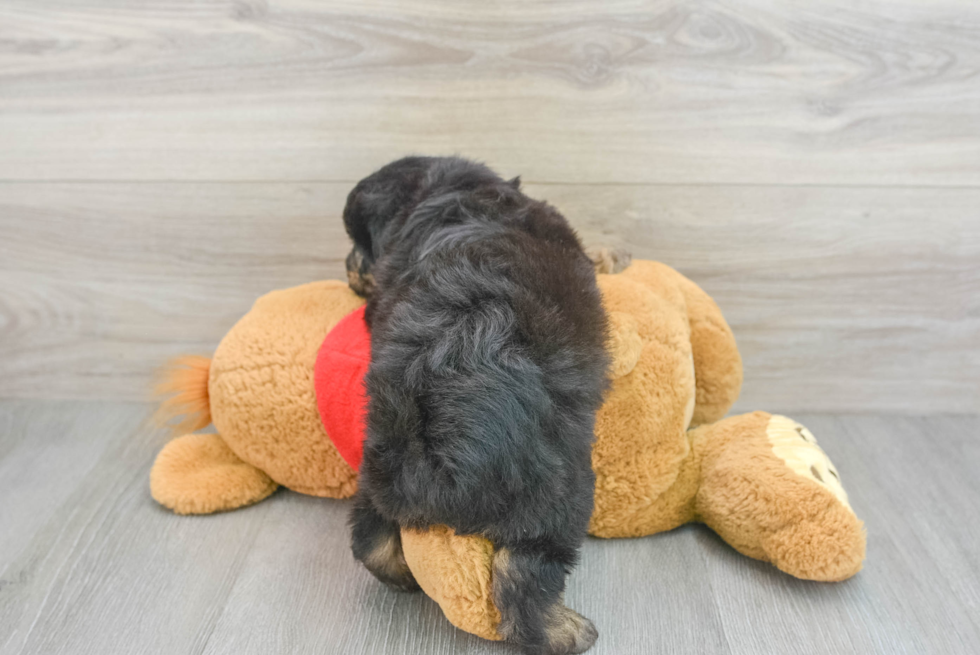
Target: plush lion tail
{"type": "Point", "coordinates": [183, 386]}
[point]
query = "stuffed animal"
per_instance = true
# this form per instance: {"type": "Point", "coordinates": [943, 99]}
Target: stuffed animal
{"type": "Point", "coordinates": [290, 373]}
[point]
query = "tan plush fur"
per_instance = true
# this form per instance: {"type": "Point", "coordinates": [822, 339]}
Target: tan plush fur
{"type": "Point", "coordinates": [261, 387]}
{"type": "Point", "coordinates": [751, 496]}
{"type": "Point", "coordinates": [261, 399]}
{"type": "Point", "coordinates": [198, 474]}
{"type": "Point", "coordinates": [662, 456]}
{"type": "Point", "coordinates": [456, 573]}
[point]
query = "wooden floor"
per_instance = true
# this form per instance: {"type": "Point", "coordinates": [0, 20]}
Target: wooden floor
{"type": "Point", "coordinates": [90, 564]}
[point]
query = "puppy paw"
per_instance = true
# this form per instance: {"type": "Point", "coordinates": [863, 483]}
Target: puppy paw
{"type": "Point", "coordinates": [386, 562]}
{"type": "Point", "coordinates": [405, 585]}
{"type": "Point", "coordinates": [568, 632]}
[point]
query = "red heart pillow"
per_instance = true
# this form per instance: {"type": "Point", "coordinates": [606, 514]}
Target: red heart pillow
{"type": "Point", "coordinates": [338, 379]}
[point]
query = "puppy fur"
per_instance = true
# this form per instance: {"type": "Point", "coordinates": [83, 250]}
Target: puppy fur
{"type": "Point", "coordinates": [487, 367]}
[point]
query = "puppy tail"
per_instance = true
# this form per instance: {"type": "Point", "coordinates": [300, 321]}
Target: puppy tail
{"type": "Point", "coordinates": [182, 386]}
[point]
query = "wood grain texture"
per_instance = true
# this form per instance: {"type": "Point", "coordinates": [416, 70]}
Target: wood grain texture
{"type": "Point", "coordinates": [878, 92]}
{"type": "Point", "coordinates": [89, 564]}
{"type": "Point", "coordinates": [842, 299]}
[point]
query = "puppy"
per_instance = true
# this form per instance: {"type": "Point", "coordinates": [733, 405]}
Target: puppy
{"type": "Point", "coordinates": [488, 364]}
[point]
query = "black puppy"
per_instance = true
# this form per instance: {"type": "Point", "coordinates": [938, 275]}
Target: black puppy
{"type": "Point", "coordinates": [487, 367]}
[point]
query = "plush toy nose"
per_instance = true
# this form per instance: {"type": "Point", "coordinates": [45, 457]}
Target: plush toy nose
{"type": "Point", "coordinates": [624, 343]}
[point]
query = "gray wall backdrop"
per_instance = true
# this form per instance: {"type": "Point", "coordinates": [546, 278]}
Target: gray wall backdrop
{"type": "Point", "coordinates": [817, 173]}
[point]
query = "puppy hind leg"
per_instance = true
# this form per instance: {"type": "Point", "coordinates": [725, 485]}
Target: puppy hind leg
{"type": "Point", "coordinates": [528, 590]}
{"type": "Point", "coordinates": [376, 542]}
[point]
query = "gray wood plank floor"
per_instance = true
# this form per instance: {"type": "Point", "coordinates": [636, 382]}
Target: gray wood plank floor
{"type": "Point", "coordinates": [90, 564]}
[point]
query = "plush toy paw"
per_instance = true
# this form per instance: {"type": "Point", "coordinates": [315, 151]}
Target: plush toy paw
{"type": "Point", "coordinates": [455, 571]}
{"type": "Point", "coordinates": [828, 545]}
{"type": "Point", "coordinates": [770, 491]}
{"type": "Point", "coordinates": [199, 474]}
{"type": "Point", "coordinates": [797, 447]}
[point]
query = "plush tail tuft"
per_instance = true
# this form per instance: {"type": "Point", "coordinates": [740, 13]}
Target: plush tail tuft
{"type": "Point", "coordinates": [183, 385]}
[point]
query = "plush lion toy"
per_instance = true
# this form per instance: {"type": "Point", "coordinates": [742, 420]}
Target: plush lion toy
{"type": "Point", "coordinates": [290, 373]}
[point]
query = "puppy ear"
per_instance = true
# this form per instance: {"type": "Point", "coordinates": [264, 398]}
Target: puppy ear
{"type": "Point", "coordinates": [624, 345]}
{"type": "Point", "coordinates": [516, 183]}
